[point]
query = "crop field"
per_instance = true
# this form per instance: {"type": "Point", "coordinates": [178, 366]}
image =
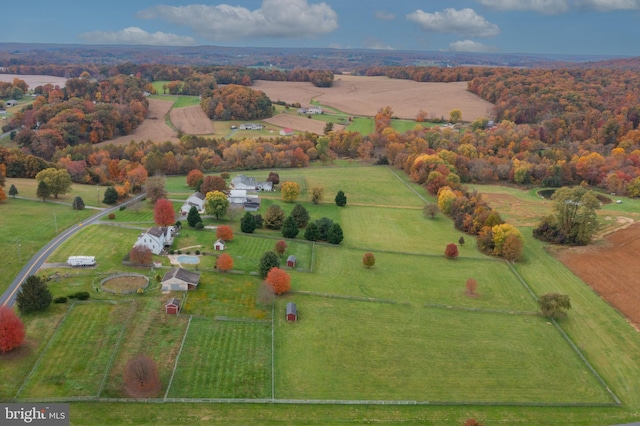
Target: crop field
{"type": "Point", "coordinates": [154, 127]}
{"type": "Point", "coordinates": [403, 330]}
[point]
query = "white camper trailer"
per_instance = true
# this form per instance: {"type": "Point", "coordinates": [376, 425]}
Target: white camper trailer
{"type": "Point", "coordinates": [81, 261]}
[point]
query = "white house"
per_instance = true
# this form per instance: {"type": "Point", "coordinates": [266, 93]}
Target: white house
{"type": "Point", "coordinates": [180, 279]}
{"type": "Point", "coordinates": [196, 200]}
{"type": "Point", "coordinates": [314, 110]}
{"type": "Point", "coordinates": [157, 238]}
{"type": "Point", "coordinates": [237, 196]}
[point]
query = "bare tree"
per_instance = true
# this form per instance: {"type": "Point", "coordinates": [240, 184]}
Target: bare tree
{"type": "Point", "coordinates": [141, 378]}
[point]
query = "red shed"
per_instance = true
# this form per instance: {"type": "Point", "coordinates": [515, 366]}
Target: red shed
{"type": "Point", "coordinates": [292, 312]}
{"type": "Point", "coordinates": [291, 261]}
{"type": "Point", "coordinates": [173, 306]}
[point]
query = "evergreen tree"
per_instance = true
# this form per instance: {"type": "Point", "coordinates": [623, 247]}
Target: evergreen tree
{"type": "Point", "coordinates": [323, 225]}
{"type": "Point", "coordinates": [301, 215]}
{"type": "Point", "coordinates": [311, 233]}
{"type": "Point", "coordinates": [290, 228]}
{"type": "Point", "coordinates": [268, 260]}
{"type": "Point", "coordinates": [193, 217]}
{"type": "Point", "coordinates": [78, 203]}
{"type": "Point", "coordinates": [335, 235]}
{"type": "Point", "coordinates": [248, 223]}
{"type": "Point", "coordinates": [34, 295]}
{"type": "Point", "coordinates": [43, 191]}
{"type": "Point", "coordinates": [110, 196]}
{"type": "Point", "coordinates": [341, 199]}
{"type": "Point", "coordinates": [13, 191]}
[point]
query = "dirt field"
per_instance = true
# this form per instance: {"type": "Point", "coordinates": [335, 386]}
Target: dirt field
{"type": "Point", "coordinates": [610, 267]}
{"type": "Point", "coordinates": [366, 95]}
{"type": "Point", "coordinates": [192, 120]}
{"type": "Point", "coordinates": [153, 128]}
{"type": "Point", "coordinates": [35, 80]}
{"type": "Point", "coordinates": [300, 123]}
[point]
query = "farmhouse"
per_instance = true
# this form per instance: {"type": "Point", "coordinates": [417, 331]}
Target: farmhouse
{"type": "Point", "coordinates": [195, 200]}
{"type": "Point", "coordinates": [218, 245]}
{"type": "Point", "coordinates": [292, 312]}
{"type": "Point", "coordinates": [157, 238]}
{"type": "Point", "coordinates": [180, 279]}
{"type": "Point", "coordinates": [291, 261]}
{"type": "Point", "coordinates": [172, 307]}
{"type": "Point", "coordinates": [310, 110]}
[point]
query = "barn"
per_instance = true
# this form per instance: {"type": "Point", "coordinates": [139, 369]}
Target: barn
{"type": "Point", "coordinates": [180, 279]}
{"type": "Point", "coordinates": [218, 245]}
{"type": "Point", "coordinates": [292, 312]}
{"type": "Point", "coordinates": [291, 261]}
{"type": "Point", "coordinates": [172, 307]}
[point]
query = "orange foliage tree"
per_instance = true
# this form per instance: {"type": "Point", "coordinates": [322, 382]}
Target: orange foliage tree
{"type": "Point", "coordinates": [224, 263]}
{"type": "Point", "coordinates": [163, 213]}
{"type": "Point", "coordinates": [11, 330]}
{"type": "Point", "coordinates": [194, 178]}
{"type": "Point", "coordinates": [368, 260]}
{"type": "Point", "coordinates": [224, 232]}
{"type": "Point", "coordinates": [279, 280]}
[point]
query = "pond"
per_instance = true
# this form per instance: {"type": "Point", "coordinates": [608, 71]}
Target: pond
{"type": "Point", "coordinates": [189, 260]}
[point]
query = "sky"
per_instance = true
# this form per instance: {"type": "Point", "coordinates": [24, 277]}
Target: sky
{"type": "Point", "coordinates": [582, 27]}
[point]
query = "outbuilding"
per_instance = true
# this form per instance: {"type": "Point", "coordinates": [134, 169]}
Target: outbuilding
{"type": "Point", "coordinates": [172, 307]}
{"type": "Point", "coordinates": [218, 245]}
{"type": "Point", "coordinates": [292, 312]}
{"type": "Point", "coordinates": [291, 261]}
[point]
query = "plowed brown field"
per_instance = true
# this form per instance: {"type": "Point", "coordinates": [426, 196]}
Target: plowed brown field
{"type": "Point", "coordinates": [153, 128]}
{"type": "Point", "coordinates": [610, 266]}
{"type": "Point", "coordinates": [192, 120]}
{"type": "Point", "coordinates": [366, 95]}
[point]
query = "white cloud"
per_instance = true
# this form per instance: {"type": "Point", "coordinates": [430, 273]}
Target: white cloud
{"type": "Point", "coordinates": [609, 5]}
{"type": "Point", "coordinates": [373, 43]}
{"type": "Point", "coordinates": [550, 7]}
{"type": "Point", "coordinates": [385, 16]}
{"type": "Point", "coordinates": [135, 35]}
{"type": "Point", "coordinates": [276, 18]}
{"type": "Point", "coordinates": [471, 46]}
{"type": "Point", "coordinates": [465, 22]}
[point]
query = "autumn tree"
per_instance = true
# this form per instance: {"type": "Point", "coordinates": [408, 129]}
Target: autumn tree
{"type": "Point", "coordinates": [274, 178]}
{"type": "Point", "coordinates": [78, 203]}
{"type": "Point", "coordinates": [316, 194]}
{"type": "Point", "coordinates": [248, 223]}
{"type": "Point", "coordinates": [368, 260]}
{"type": "Point", "coordinates": [430, 210]}
{"type": "Point", "coordinates": [140, 255]}
{"type": "Point", "coordinates": [290, 191]}
{"type": "Point", "coordinates": [224, 263]}
{"type": "Point", "coordinates": [194, 179]}
{"type": "Point", "coordinates": [58, 180]}
{"type": "Point", "coordinates": [341, 199]}
{"type": "Point", "coordinates": [274, 217]}
{"type": "Point", "coordinates": [156, 188]}
{"type": "Point", "coordinates": [13, 191]}
{"type": "Point", "coordinates": [43, 191]}
{"type": "Point", "coordinates": [451, 251]}
{"type": "Point", "coordinates": [554, 305]}
{"type": "Point", "coordinates": [224, 232]}
{"type": "Point", "coordinates": [301, 215]}
{"type": "Point", "coordinates": [216, 204]}
{"type": "Point", "coordinates": [335, 235]}
{"type": "Point", "coordinates": [290, 227]}
{"type": "Point", "coordinates": [500, 234]}
{"type": "Point", "coordinates": [455, 115]}
{"type": "Point", "coordinates": [141, 377]}
{"type": "Point", "coordinates": [279, 280]}
{"type": "Point", "coordinates": [213, 183]}
{"type": "Point", "coordinates": [280, 247]}
{"type": "Point", "coordinates": [11, 330]}
{"type": "Point", "coordinates": [193, 217]}
{"type": "Point", "coordinates": [110, 195]}
{"type": "Point", "coordinates": [34, 295]}
{"type": "Point", "coordinates": [268, 260]}
{"type": "Point", "coordinates": [3, 196]}
{"type": "Point", "coordinates": [513, 248]}
{"type": "Point", "coordinates": [471, 286]}
{"type": "Point", "coordinates": [163, 213]}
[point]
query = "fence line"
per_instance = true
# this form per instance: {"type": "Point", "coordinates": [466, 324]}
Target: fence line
{"type": "Point", "coordinates": [356, 298]}
{"type": "Point", "coordinates": [273, 351]}
{"type": "Point", "coordinates": [175, 366]}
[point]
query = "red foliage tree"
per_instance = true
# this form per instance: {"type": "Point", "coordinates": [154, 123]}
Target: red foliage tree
{"type": "Point", "coordinates": [224, 263]}
{"type": "Point", "coordinates": [11, 330]}
{"type": "Point", "coordinates": [368, 260]}
{"type": "Point", "coordinates": [451, 251]}
{"type": "Point", "coordinates": [224, 232]}
{"type": "Point", "coordinates": [279, 280]}
{"type": "Point", "coordinates": [281, 247]}
{"type": "Point", "coordinates": [141, 378]}
{"type": "Point", "coordinates": [163, 213]}
{"type": "Point", "coordinates": [195, 178]}
{"type": "Point", "coordinates": [140, 255]}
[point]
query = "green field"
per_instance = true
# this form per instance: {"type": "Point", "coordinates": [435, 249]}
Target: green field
{"type": "Point", "coordinates": [401, 331]}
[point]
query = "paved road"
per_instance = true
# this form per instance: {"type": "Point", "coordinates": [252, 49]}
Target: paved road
{"type": "Point", "coordinates": [36, 262]}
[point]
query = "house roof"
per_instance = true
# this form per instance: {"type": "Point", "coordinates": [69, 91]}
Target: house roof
{"type": "Point", "coordinates": [190, 277]}
{"type": "Point", "coordinates": [245, 180]}
{"type": "Point", "coordinates": [199, 195]}
{"type": "Point", "coordinates": [173, 301]}
{"type": "Point", "coordinates": [219, 241]}
{"type": "Point", "coordinates": [291, 258]}
{"type": "Point", "coordinates": [292, 308]}
{"type": "Point", "coordinates": [157, 231]}
{"type": "Point", "coordinates": [238, 193]}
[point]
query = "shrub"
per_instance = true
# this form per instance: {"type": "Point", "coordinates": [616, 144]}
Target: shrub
{"type": "Point", "coordinates": [197, 252]}
{"type": "Point", "coordinates": [368, 260]}
{"type": "Point", "coordinates": [451, 251]}
{"type": "Point", "coordinates": [122, 208]}
{"type": "Point", "coordinates": [61, 299]}
{"type": "Point", "coordinates": [80, 295]}
{"type": "Point", "coordinates": [112, 216]}
{"type": "Point", "coordinates": [199, 226]}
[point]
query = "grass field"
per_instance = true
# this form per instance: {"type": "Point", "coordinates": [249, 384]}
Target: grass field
{"type": "Point", "coordinates": [402, 330]}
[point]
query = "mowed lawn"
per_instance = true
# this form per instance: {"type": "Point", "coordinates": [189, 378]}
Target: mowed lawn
{"type": "Point", "coordinates": [342, 349]}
